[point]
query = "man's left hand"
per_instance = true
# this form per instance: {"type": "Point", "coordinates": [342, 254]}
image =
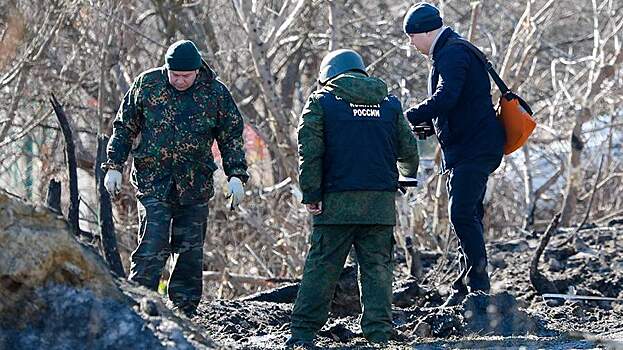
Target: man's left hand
{"type": "Point", "coordinates": [235, 190]}
{"type": "Point", "coordinates": [314, 208]}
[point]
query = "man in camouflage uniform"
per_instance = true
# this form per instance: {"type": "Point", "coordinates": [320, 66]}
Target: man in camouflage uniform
{"type": "Point", "coordinates": [176, 111]}
{"type": "Point", "coordinates": [353, 143]}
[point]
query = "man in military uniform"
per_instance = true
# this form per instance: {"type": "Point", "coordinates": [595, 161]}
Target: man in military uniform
{"type": "Point", "coordinates": [353, 143]}
{"type": "Point", "coordinates": [176, 111]}
{"type": "Point", "coordinates": [472, 138]}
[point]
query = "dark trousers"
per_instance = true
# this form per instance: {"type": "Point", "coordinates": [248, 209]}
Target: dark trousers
{"type": "Point", "coordinates": [467, 184]}
{"type": "Point", "coordinates": [167, 228]}
{"type": "Point", "coordinates": [330, 245]}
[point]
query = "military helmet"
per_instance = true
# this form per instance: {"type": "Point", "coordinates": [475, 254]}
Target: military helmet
{"type": "Point", "coordinates": [339, 61]}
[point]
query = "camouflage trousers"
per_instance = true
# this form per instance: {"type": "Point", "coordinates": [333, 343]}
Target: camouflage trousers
{"type": "Point", "coordinates": [330, 245]}
{"type": "Point", "coordinates": [167, 228]}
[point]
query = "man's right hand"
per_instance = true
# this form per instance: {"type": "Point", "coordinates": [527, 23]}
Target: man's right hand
{"type": "Point", "coordinates": [314, 208]}
{"type": "Point", "coordinates": [112, 182]}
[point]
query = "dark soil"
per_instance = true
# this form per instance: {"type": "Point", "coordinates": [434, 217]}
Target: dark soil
{"type": "Point", "coordinates": [75, 318]}
{"type": "Point", "coordinates": [512, 316]}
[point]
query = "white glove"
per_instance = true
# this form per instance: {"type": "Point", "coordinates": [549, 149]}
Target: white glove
{"type": "Point", "coordinates": [112, 182]}
{"type": "Point", "coordinates": [235, 191]}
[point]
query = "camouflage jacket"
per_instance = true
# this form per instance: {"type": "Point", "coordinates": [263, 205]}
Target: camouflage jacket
{"type": "Point", "coordinates": [349, 207]}
{"type": "Point", "coordinates": [176, 130]}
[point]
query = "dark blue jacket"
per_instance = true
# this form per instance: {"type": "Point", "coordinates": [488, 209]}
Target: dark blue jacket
{"type": "Point", "coordinates": [461, 107]}
{"type": "Point", "coordinates": [361, 144]}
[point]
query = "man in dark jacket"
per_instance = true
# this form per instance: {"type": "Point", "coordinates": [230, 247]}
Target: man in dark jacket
{"type": "Point", "coordinates": [353, 143]}
{"type": "Point", "coordinates": [460, 108]}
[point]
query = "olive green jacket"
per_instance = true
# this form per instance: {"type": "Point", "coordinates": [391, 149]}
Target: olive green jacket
{"type": "Point", "coordinates": [350, 207]}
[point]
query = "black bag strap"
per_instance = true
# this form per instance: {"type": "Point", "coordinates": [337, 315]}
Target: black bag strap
{"type": "Point", "coordinates": [494, 75]}
{"type": "Point", "coordinates": [506, 92]}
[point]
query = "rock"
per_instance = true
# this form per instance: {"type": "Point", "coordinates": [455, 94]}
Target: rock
{"type": "Point", "coordinates": [495, 314]}
{"type": "Point", "coordinates": [498, 260]}
{"type": "Point", "coordinates": [175, 336]}
{"type": "Point", "coordinates": [337, 332]}
{"type": "Point", "coordinates": [148, 306]}
{"type": "Point", "coordinates": [445, 322]}
{"type": "Point", "coordinates": [606, 284]}
{"type": "Point", "coordinates": [56, 293]}
{"type": "Point", "coordinates": [560, 315]}
{"type": "Point", "coordinates": [72, 318]}
{"type": "Point", "coordinates": [555, 265]}
{"type": "Point", "coordinates": [515, 245]}
{"type": "Point", "coordinates": [560, 254]}
{"type": "Point", "coordinates": [422, 330]}
{"type": "Point", "coordinates": [37, 249]}
{"type": "Point", "coordinates": [577, 310]}
{"type": "Point", "coordinates": [407, 293]}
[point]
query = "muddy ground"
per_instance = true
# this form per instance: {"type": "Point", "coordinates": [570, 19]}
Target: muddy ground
{"type": "Point", "coordinates": [513, 316]}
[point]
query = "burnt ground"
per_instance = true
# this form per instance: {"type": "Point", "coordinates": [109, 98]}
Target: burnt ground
{"type": "Point", "coordinates": [513, 316]}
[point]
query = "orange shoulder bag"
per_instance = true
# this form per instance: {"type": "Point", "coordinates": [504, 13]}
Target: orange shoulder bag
{"type": "Point", "coordinates": [513, 111]}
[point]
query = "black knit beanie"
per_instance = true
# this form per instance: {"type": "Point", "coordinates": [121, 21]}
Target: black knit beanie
{"type": "Point", "coordinates": [183, 56]}
{"type": "Point", "coordinates": [421, 18]}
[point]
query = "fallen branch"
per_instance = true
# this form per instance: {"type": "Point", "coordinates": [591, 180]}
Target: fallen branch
{"type": "Point", "coordinates": [250, 279]}
{"type": "Point", "coordinates": [540, 283]}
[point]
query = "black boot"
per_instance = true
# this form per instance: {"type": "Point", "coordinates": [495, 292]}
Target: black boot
{"type": "Point", "coordinates": [300, 344]}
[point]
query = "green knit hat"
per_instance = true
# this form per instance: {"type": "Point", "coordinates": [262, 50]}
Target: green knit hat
{"type": "Point", "coordinates": [183, 55]}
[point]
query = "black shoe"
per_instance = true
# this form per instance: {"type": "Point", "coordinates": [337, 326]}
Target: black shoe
{"type": "Point", "coordinates": [455, 298]}
{"type": "Point", "coordinates": [300, 344]}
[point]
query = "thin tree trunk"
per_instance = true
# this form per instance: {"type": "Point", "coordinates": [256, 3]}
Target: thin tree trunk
{"type": "Point", "coordinates": [53, 200]}
{"type": "Point", "coordinates": [335, 14]}
{"type": "Point", "coordinates": [17, 95]}
{"type": "Point", "coordinates": [105, 219]}
{"type": "Point", "coordinates": [592, 195]}
{"type": "Point", "coordinates": [574, 171]}
{"type": "Point", "coordinates": [474, 20]}
{"type": "Point", "coordinates": [528, 198]}
{"type": "Point", "coordinates": [70, 157]}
